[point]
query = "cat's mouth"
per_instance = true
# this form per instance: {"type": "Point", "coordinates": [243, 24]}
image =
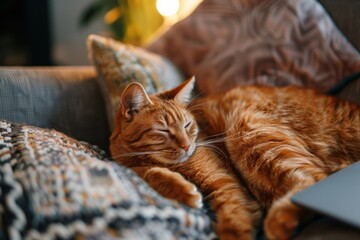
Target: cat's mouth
{"type": "Point", "coordinates": [187, 154]}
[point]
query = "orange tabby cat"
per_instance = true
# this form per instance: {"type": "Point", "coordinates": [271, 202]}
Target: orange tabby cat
{"type": "Point", "coordinates": [246, 150]}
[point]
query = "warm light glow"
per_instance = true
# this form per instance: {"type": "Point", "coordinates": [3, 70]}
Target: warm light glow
{"type": "Point", "coordinates": [167, 7]}
{"type": "Point", "coordinates": [112, 15]}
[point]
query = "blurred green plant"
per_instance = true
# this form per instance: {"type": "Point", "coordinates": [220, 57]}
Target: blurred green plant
{"type": "Point", "coordinates": [132, 21]}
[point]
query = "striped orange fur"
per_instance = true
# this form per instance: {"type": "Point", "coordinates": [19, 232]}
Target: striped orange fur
{"type": "Point", "coordinates": [247, 150]}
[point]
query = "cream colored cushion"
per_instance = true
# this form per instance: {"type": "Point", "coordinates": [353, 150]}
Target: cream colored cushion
{"type": "Point", "coordinates": [118, 64]}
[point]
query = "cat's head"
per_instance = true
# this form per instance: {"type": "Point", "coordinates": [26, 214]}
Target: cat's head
{"type": "Point", "coordinates": [157, 128]}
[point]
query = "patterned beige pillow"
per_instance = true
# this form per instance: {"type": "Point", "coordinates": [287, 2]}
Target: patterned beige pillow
{"type": "Point", "coordinates": [118, 64]}
{"type": "Point", "coordinates": [226, 43]}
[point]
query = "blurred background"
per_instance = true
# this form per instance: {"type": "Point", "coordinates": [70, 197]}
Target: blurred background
{"type": "Point", "coordinates": [54, 32]}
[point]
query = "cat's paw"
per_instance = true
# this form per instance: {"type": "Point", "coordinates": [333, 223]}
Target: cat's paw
{"type": "Point", "coordinates": [281, 221]}
{"type": "Point", "coordinates": [174, 186]}
{"type": "Point", "coordinates": [194, 199]}
{"type": "Point", "coordinates": [189, 195]}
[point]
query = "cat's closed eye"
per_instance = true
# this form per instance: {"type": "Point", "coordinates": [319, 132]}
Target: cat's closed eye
{"type": "Point", "coordinates": [163, 130]}
{"type": "Point", "coordinates": [187, 124]}
{"type": "Point", "coordinates": [158, 136]}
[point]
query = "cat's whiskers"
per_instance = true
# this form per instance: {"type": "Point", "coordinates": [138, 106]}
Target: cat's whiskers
{"type": "Point", "coordinates": [212, 147]}
{"type": "Point", "coordinates": [221, 136]}
{"type": "Point", "coordinates": [211, 141]}
{"type": "Point", "coordinates": [134, 154]}
{"type": "Point", "coordinates": [218, 138]}
{"type": "Point", "coordinates": [196, 106]}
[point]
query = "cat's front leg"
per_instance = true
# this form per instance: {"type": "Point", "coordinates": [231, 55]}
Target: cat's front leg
{"type": "Point", "coordinates": [233, 224]}
{"type": "Point", "coordinates": [174, 186]}
{"type": "Point", "coordinates": [237, 214]}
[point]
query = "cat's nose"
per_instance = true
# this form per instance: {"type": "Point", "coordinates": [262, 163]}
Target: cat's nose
{"type": "Point", "coordinates": [185, 147]}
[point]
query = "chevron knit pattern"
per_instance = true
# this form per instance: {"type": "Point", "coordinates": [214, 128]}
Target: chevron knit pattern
{"type": "Point", "coordinates": [54, 187]}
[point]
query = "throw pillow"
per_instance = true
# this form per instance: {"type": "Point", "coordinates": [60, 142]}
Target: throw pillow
{"type": "Point", "coordinates": [54, 187]}
{"type": "Point", "coordinates": [119, 64]}
{"type": "Point", "coordinates": [226, 43]}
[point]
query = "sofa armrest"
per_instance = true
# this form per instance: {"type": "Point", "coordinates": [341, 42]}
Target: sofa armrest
{"type": "Point", "coordinates": [67, 99]}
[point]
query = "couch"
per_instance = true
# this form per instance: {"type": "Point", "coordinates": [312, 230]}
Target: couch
{"type": "Point", "coordinates": [69, 100]}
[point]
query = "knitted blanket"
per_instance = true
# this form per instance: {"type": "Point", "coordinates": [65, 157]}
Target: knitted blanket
{"type": "Point", "coordinates": [54, 187]}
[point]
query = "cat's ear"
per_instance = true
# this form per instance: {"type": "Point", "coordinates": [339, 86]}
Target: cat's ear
{"type": "Point", "coordinates": [181, 93]}
{"type": "Point", "coordinates": [133, 99]}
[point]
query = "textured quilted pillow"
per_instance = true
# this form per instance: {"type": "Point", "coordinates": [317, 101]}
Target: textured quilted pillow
{"type": "Point", "coordinates": [226, 43]}
{"type": "Point", "coordinates": [118, 64]}
{"type": "Point", "coordinates": [53, 187]}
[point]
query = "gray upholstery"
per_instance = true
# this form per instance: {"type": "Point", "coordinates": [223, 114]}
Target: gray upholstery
{"type": "Point", "coordinates": [67, 99]}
